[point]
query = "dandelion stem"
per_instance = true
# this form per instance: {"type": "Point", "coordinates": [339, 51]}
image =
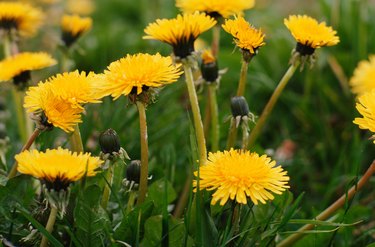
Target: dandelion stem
{"type": "Point", "coordinates": [196, 114]}
{"type": "Point", "coordinates": [144, 153]}
{"type": "Point", "coordinates": [18, 104]}
{"type": "Point", "coordinates": [215, 131]}
{"type": "Point", "coordinates": [215, 40]}
{"type": "Point", "coordinates": [271, 103]}
{"type": "Point", "coordinates": [232, 136]}
{"type": "Point", "coordinates": [243, 78]}
{"type": "Point", "coordinates": [129, 206]}
{"type": "Point", "coordinates": [49, 226]}
{"type": "Point", "coordinates": [28, 144]}
{"type": "Point", "coordinates": [108, 184]}
{"type": "Point", "coordinates": [245, 135]}
{"type": "Point", "coordinates": [331, 209]}
{"type": "Point", "coordinates": [76, 140]}
{"type": "Point", "coordinates": [183, 198]}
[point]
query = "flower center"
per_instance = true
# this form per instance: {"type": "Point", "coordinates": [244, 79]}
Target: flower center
{"type": "Point", "coordinates": [304, 49]}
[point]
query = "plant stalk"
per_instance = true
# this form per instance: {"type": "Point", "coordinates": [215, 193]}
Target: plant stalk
{"type": "Point", "coordinates": [245, 135]}
{"type": "Point", "coordinates": [20, 113]}
{"type": "Point", "coordinates": [131, 200]}
{"type": "Point", "coordinates": [232, 136]}
{"type": "Point", "coordinates": [76, 140]}
{"type": "Point", "coordinates": [108, 184]}
{"type": "Point", "coordinates": [199, 132]}
{"type": "Point", "coordinates": [215, 40]}
{"type": "Point", "coordinates": [144, 152]}
{"type": "Point", "coordinates": [243, 78]}
{"type": "Point", "coordinates": [289, 241]}
{"type": "Point", "coordinates": [49, 226]}
{"type": "Point", "coordinates": [271, 103]}
{"type": "Point", "coordinates": [215, 131]}
{"type": "Point", "coordinates": [27, 145]}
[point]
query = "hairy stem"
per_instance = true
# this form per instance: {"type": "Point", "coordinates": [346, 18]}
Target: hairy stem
{"type": "Point", "coordinates": [144, 152]}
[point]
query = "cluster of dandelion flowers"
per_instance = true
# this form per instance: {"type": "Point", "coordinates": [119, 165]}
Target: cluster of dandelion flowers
{"type": "Point", "coordinates": [20, 17]}
{"type": "Point", "coordinates": [18, 67]}
{"type": "Point", "coordinates": [134, 74]}
{"type": "Point", "coordinates": [246, 37]}
{"type": "Point", "coordinates": [215, 8]}
{"type": "Point", "coordinates": [238, 174]}
{"type": "Point", "coordinates": [310, 34]}
{"type": "Point", "coordinates": [180, 32]}
{"type": "Point", "coordinates": [73, 27]}
{"type": "Point", "coordinates": [366, 107]}
{"type": "Point", "coordinates": [363, 79]}
{"type": "Point", "coordinates": [49, 110]}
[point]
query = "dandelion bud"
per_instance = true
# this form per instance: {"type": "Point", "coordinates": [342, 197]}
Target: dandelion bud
{"type": "Point", "coordinates": [133, 171]}
{"type": "Point", "coordinates": [239, 106]}
{"type": "Point", "coordinates": [209, 68]}
{"type": "Point", "coordinates": [109, 142]}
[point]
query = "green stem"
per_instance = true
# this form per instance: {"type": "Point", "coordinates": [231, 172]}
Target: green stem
{"type": "Point", "coordinates": [232, 136]}
{"type": "Point", "coordinates": [199, 132]}
{"type": "Point", "coordinates": [215, 131]}
{"type": "Point", "coordinates": [76, 140]}
{"type": "Point", "coordinates": [245, 135]}
{"type": "Point", "coordinates": [289, 241]}
{"type": "Point", "coordinates": [131, 200]}
{"type": "Point", "coordinates": [183, 198]}
{"type": "Point", "coordinates": [49, 226]}
{"type": "Point", "coordinates": [215, 40]}
{"type": "Point", "coordinates": [27, 145]}
{"type": "Point", "coordinates": [108, 184]}
{"type": "Point", "coordinates": [243, 78]}
{"type": "Point", "coordinates": [235, 221]}
{"type": "Point", "coordinates": [144, 153]}
{"type": "Point", "coordinates": [271, 103]}
{"type": "Point", "coordinates": [6, 45]}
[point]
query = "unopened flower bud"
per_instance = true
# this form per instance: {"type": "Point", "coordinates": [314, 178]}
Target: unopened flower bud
{"type": "Point", "coordinates": [239, 106]}
{"type": "Point", "coordinates": [133, 171]}
{"type": "Point", "coordinates": [109, 142]}
{"type": "Point", "coordinates": [209, 67]}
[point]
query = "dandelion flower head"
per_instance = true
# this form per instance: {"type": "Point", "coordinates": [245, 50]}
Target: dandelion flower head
{"type": "Point", "coordinates": [180, 32]}
{"type": "Point", "coordinates": [57, 167]}
{"type": "Point", "coordinates": [215, 8]}
{"type": "Point", "coordinates": [51, 108]}
{"type": "Point", "coordinates": [366, 107]}
{"type": "Point", "coordinates": [363, 79]}
{"type": "Point", "coordinates": [310, 34]}
{"type": "Point", "coordinates": [134, 74]}
{"type": "Point", "coordinates": [237, 174]}
{"type": "Point", "coordinates": [245, 35]}
{"type": "Point", "coordinates": [14, 66]}
{"type": "Point", "coordinates": [21, 17]}
{"type": "Point", "coordinates": [73, 26]}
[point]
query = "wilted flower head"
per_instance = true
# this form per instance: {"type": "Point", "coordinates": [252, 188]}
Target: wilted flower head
{"type": "Point", "coordinates": [238, 174]}
{"type": "Point", "coordinates": [310, 34]}
{"type": "Point", "coordinates": [215, 8]}
{"type": "Point", "coordinates": [363, 79]}
{"type": "Point", "coordinates": [137, 73]}
{"type": "Point", "coordinates": [17, 67]}
{"type": "Point", "coordinates": [246, 37]}
{"type": "Point", "coordinates": [73, 26]}
{"type": "Point", "coordinates": [180, 32]}
{"type": "Point", "coordinates": [20, 17]}
{"type": "Point", "coordinates": [366, 107]}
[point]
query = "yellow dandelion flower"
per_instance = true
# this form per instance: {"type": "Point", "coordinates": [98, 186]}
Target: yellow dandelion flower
{"type": "Point", "coordinates": [80, 7]}
{"type": "Point", "coordinates": [180, 32]}
{"type": "Point", "coordinates": [134, 74]}
{"type": "Point", "coordinates": [237, 174]}
{"type": "Point", "coordinates": [208, 57]}
{"type": "Point", "coordinates": [21, 17]}
{"type": "Point", "coordinates": [363, 79]}
{"type": "Point", "coordinates": [245, 35]}
{"type": "Point", "coordinates": [14, 67]}
{"type": "Point", "coordinates": [310, 34]}
{"type": "Point", "coordinates": [57, 167]}
{"type": "Point", "coordinates": [366, 107]}
{"type": "Point", "coordinates": [215, 8]}
{"type": "Point", "coordinates": [77, 88]}
{"type": "Point", "coordinates": [73, 26]}
{"type": "Point", "coordinates": [51, 108]}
